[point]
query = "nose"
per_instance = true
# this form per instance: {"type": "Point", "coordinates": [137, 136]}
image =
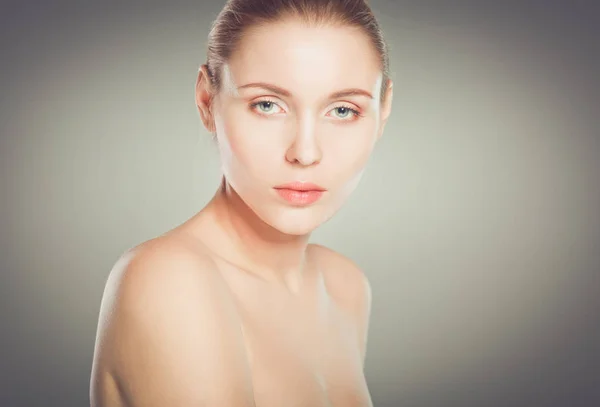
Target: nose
{"type": "Point", "coordinates": [305, 149]}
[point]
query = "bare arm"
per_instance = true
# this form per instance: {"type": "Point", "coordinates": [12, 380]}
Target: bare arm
{"type": "Point", "coordinates": [168, 335]}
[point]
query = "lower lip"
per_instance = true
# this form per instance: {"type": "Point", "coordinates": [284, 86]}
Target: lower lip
{"type": "Point", "coordinates": [299, 197]}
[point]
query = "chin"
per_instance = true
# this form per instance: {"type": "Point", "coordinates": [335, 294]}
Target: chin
{"type": "Point", "coordinates": [294, 229]}
{"type": "Point", "coordinates": [295, 221]}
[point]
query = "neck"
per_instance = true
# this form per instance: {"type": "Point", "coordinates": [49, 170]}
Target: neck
{"type": "Point", "coordinates": [236, 234]}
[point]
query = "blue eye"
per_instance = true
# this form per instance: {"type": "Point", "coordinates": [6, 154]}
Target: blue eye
{"type": "Point", "coordinates": [343, 111]}
{"type": "Point", "coordinates": [265, 106]}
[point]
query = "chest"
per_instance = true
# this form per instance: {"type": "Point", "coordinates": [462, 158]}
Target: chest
{"type": "Point", "coordinates": [303, 354]}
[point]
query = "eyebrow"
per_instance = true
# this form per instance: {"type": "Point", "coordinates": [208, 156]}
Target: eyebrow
{"type": "Point", "coordinates": [282, 92]}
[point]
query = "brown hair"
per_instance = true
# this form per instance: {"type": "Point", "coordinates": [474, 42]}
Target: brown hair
{"type": "Point", "coordinates": [239, 15]}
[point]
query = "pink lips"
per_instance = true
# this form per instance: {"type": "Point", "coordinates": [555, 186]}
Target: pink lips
{"type": "Point", "coordinates": [300, 193]}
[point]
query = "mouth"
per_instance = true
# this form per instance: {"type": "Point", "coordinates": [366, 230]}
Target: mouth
{"type": "Point", "coordinates": [300, 193]}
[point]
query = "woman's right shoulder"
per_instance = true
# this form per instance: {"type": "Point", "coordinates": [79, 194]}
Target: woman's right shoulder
{"type": "Point", "coordinates": [164, 257]}
{"type": "Point", "coordinates": [166, 314]}
{"type": "Point", "coordinates": [161, 273]}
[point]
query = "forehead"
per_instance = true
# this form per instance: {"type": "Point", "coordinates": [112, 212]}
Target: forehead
{"type": "Point", "coordinates": [306, 60]}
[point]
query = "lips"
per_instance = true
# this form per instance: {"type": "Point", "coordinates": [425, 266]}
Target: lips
{"type": "Point", "coordinates": [300, 193]}
{"type": "Point", "coordinates": [301, 186]}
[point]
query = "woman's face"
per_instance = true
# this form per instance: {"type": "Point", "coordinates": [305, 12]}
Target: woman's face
{"type": "Point", "coordinates": [278, 120]}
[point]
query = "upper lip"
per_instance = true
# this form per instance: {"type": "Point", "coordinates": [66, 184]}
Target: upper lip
{"type": "Point", "coordinates": [301, 186]}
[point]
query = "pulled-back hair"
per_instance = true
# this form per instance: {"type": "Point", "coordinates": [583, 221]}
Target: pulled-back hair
{"type": "Point", "coordinates": [239, 15]}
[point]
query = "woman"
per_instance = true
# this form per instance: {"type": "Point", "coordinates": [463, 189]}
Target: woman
{"type": "Point", "coordinates": [234, 308]}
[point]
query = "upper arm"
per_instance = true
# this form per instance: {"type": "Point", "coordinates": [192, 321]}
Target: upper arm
{"type": "Point", "coordinates": [169, 336]}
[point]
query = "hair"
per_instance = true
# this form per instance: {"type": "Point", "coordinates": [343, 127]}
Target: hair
{"type": "Point", "coordinates": [238, 16]}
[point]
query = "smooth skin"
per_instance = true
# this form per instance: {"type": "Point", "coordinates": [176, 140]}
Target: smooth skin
{"type": "Point", "coordinates": [234, 308]}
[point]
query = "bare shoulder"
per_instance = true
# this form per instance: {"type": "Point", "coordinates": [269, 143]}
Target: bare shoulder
{"type": "Point", "coordinates": [167, 332]}
{"type": "Point", "coordinates": [162, 267]}
{"type": "Point", "coordinates": [349, 287]}
{"type": "Point", "coordinates": [345, 280]}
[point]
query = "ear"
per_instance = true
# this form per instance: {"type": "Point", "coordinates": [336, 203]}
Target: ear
{"type": "Point", "coordinates": [386, 107]}
{"type": "Point", "coordinates": [204, 98]}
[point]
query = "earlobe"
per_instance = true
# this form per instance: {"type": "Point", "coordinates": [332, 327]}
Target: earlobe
{"type": "Point", "coordinates": [389, 94]}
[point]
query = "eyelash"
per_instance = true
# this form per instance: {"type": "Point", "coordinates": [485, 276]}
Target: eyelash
{"type": "Point", "coordinates": [353, 111]}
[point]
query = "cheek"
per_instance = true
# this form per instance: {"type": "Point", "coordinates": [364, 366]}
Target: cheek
{"type": "Point", "coordinates": [349, 152]}
{"type": "Point", "coordinates": [248, 147]}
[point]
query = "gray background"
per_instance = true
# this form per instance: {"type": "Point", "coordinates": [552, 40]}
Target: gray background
{"type": "Point", "coordinates": [477, 222]}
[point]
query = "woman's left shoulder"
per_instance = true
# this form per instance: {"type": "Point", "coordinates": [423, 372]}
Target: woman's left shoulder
{"type": "Point", "coordinates": [344, 278]}
{"type": "Point", "coordinates": [348, 285]}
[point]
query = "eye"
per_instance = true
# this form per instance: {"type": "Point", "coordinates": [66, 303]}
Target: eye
{"type": "Point", "coordinates": [268, 107]}
{"type": "Point", "coordinates": [265, 107]}
{"type": "Point", "coordinates": [342, 112]}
